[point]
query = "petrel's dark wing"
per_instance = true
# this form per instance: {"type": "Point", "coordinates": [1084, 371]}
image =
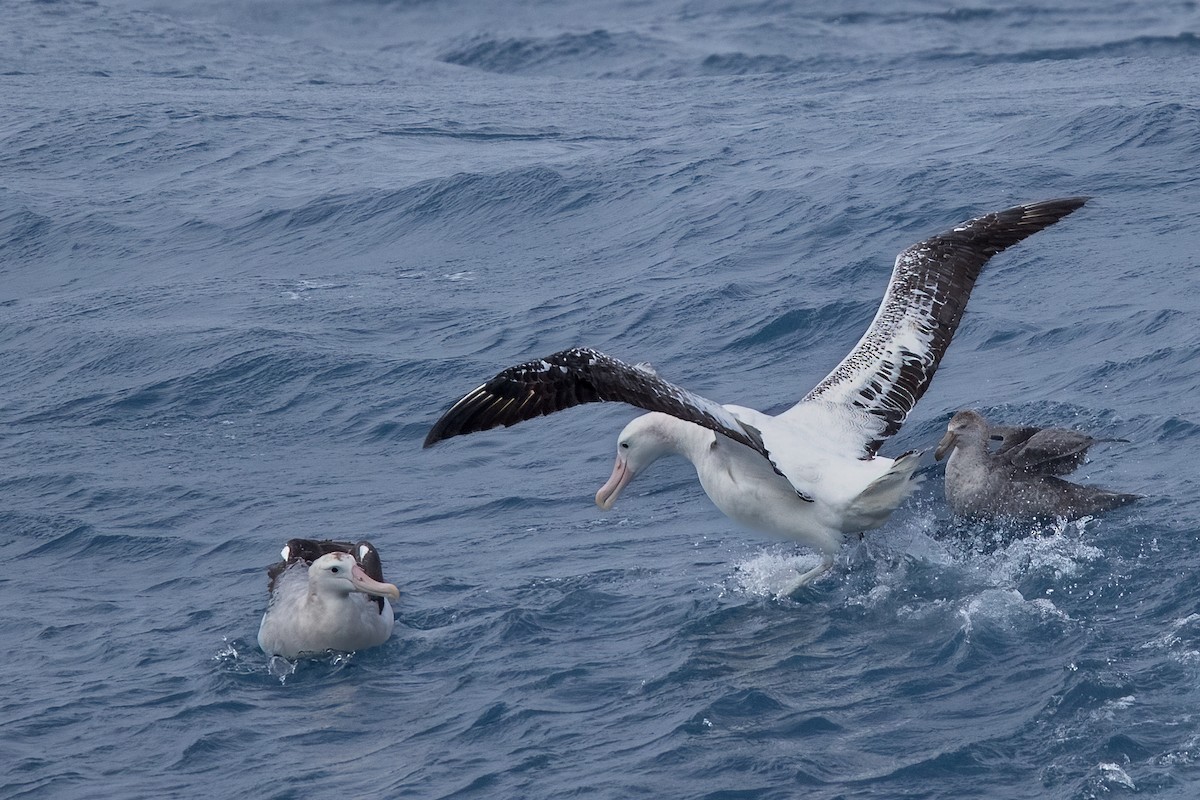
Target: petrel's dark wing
{"type": "Point", "coordinates": [1043, 451]}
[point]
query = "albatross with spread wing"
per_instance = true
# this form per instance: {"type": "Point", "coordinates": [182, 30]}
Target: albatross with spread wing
{"type": "Point", "coordinates": [811, 473]}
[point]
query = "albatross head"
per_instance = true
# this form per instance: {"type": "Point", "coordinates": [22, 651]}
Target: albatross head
{"type": "Point", "coordinates": [339, 573]}
{"type": "Point", "coordinates": [965, 425]}
{"type": "Point", "coordinates": [640, 444]}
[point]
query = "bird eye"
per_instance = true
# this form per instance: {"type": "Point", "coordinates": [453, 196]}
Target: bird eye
{"type": "Point", "coordinates": [334, 570]}
{"type": "Point", "coordinates": [624, 445]}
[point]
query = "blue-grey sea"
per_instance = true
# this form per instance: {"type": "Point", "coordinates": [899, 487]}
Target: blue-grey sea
{"type": "Point", "coordinates": [250, 250]}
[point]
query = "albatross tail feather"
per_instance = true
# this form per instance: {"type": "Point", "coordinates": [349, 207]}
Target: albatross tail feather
{"type": "Point", "coordinates": [876, 503]}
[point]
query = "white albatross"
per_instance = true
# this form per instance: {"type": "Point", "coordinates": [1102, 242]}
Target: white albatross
{"type": "Point", "coordinates": [331, 603]}
{"type": "Point", "coordinates": [811, 473]}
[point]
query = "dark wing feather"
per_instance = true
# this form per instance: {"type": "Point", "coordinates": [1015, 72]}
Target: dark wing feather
{"type": "Point", "coordinates": [297, 551]}
{"type": "Point", "coordinates": [306, 551]}
{"type": "Point", "coordinates": [1010, 436]}
{"type": "Point", "coordinates": [368, 558]}
{"type": "Point", "coordinates": [574, 377]}
{"type": "Point", "coordinates": [892, 365]}
{"type": "Point", "coordinates": [1043, 451]}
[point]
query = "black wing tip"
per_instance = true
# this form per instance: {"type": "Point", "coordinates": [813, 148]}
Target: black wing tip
{"type": "Point", "coordinates": [1057, 208]}
{"type": "Point", "coordinates": [1073, 202]}
{"type": "Point", "coordinates": [477, 410]}
{"type": "Point", "coordinates": [439, 430]}
{"type": "Point", "coordinates": [464, 415]}
{"type": "Point", "coordinates": [997, 231]}
{"type": "Point", "coordinates": [450, 426]}
{"type": "Point", "coordinates": [1028, 217]}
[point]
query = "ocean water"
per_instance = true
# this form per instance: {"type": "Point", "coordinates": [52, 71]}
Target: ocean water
{"type": "Point", "coordinates": [250, 251]}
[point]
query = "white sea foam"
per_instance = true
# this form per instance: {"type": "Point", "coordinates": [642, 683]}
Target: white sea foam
{"type": "Point", "coordinates": [769, 573]}
{"type": "Point", "coordinates": [1179, 640]}
{"type": "Point", "coordinates": [1114, 775]}
{"type": "Point", "coordinates": [978, 587]}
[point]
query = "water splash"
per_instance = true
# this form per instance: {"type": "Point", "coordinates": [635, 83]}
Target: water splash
{"type": "Point", "coordinates": [281, 668]}
{"type": "Point", "coordinates": [1114, 775]}
{"type": "Point", "coordinates": [769, 573]}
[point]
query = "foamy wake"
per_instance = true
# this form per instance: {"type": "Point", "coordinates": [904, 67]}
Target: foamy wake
{"type": "Point", "coordinates": [931, 575]}
{"type": "Point", "coordinates": [769, 573]}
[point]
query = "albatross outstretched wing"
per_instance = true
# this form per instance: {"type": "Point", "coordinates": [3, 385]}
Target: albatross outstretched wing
{"type": "Point", "coordinates": [574, 377]}
{"type": "Point", "coordinates": [891, 366]}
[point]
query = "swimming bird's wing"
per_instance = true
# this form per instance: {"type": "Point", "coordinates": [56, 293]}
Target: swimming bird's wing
{"type": "Point", "coordinates": [1011, 436]}
{"type": "Point", "coordinates": [368, 558]}
{"type": "Point", "coordinates": [1042, 451]}
{"type": "Point", "coordinates": [306, 551]}
{"type": "Point", "coordinates": [303, 551]}
{"type": "Point", "coordinates": [574, 377]}
{"type": "Point", "coordinates": [889, 369]}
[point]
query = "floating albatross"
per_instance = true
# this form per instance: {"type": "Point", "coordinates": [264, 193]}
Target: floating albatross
{"type": "Point", "coordinates": [326, 596]}
{"type": "Point", "coordinates": [1019, 480]}
{"type": "Point", "coordinates": [811, 473]}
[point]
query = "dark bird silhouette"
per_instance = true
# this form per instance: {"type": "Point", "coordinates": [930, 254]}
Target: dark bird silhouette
{"type": "Point", "coordinates": [1019, 480]}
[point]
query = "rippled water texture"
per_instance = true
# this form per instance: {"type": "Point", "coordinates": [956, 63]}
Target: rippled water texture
{"type": "Point", "coordinates": [251, 250]}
